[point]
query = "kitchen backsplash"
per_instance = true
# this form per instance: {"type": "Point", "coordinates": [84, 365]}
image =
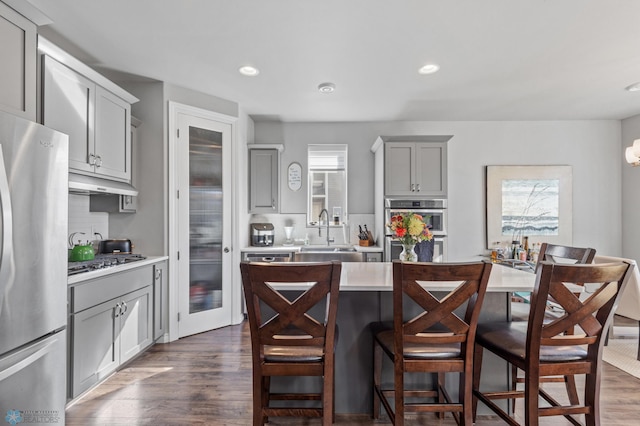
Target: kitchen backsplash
{"type": "Point", "coordinates": [82, 220]}
{"type": "Point", "coordinates": [298, 221]}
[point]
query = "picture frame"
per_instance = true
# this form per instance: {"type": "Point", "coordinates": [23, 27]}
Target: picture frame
{"type": "Point", "coordinates": [532, 201]}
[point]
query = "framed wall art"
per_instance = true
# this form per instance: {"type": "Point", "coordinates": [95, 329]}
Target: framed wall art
{"type": "Point", "coordinates": [531, 201]}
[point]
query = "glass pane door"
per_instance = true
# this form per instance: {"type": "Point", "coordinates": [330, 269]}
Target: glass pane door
{"type": "Point", "coordinates": [205, 219]}
{"type": "Point", "coordinates": [203, 224]}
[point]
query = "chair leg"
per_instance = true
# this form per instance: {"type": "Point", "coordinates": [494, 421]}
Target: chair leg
{"type": "Point", "coordinates": [327, 394]}
{"type": "Point", "coordinates": [466, 392]}
{"type": "Point", "coordinates": [514, 384]}
{"type": "Point", "coordinates": [592, 399]}
{"type": "Point", "coordinates": [440, 381]}
{"type": "Point", "coordinates": [377, 373]}
{"type": "Point", "coordinates": [638, 356]}
{"type": "Point", "coordinates": [572, 391]}
{"type": "Point", "coordinates": [477, 367]}
{"type": "Point", "coordinates": [398, 386]}
{"type": "Point", "coordinates": [531, 403]}
{"type": "Point", "coordinates": [258, 398]}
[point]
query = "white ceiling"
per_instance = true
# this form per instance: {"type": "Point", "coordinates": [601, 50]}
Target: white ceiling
{"type": "Point", "coordinates": [499, 59]}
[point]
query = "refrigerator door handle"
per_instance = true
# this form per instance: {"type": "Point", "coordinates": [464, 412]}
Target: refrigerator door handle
{"type": "Point", "coordinates": [6, 233]}
{"type": "Point", "coordinates": [32, 354]}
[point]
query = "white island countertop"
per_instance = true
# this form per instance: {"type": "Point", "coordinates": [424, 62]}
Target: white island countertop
{"type": "Point", "coordinates": [378, 276]}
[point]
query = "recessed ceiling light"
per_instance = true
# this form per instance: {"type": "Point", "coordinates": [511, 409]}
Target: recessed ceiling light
{"type": "Point", "coordinates": [633, 88]}
{"type": "Point", "coordinates": [429, 69]}
{"type": "Point", "coordinates": [249, 71]}
{"type": "Point", "coordinates": [326, 87]}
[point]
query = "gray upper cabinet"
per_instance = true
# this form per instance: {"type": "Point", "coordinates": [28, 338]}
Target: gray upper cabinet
{"type": "Point", "coordinates": [68, 106]}
{"type": "Point", "coordinates": [18, 59]}
{"type": "Point", "coordinates": [94, 112]}
{"type": "Point", "coordinates": [417, 169]}
{"type": "Point", "coordinates": [263, 180]}
{"type": "Point", "coordinates": [112, 136]}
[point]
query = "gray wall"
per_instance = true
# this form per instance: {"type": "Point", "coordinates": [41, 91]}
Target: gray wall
{"type": "Point", "coordinates": [630, 193]}
{"type": "Point", "coordinates": [592, 148]}
{"type": "Point", "coordinates": [147, 228]}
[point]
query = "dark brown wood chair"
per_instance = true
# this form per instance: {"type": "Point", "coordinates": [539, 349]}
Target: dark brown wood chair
{"type": "Point", "coordinates": [542, 349]}
{"type": "Point", "coordinates": [557, 254]}
{"type": "Point", "coordinates": [286, 340]}
{"type": "Point", "coordinates": [428, 336]}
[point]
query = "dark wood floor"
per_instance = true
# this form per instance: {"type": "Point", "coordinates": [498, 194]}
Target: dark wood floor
{"type": "Point", "coordinates": [206, 379]}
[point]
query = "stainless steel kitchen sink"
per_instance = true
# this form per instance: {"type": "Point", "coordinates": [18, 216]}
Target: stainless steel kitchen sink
{"type": "Point", "coordinates": [327, 253]}
{"type": "Point", "coordinates": [328, 249]}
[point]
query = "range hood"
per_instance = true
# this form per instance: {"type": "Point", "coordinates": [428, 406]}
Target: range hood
{"type": "Point", "coordinates": [87, 185]}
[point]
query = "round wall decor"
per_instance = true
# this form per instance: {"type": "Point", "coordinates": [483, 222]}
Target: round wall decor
{"type": "Point", "coordinates": [294, 175]}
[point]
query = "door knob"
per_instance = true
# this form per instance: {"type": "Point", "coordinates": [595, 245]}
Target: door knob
{"type": "Point", "coordinates": [226, 250]}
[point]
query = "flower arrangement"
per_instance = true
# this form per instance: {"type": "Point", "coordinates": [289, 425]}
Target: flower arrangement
{"type": "Point", "coordinates": [409, 228]}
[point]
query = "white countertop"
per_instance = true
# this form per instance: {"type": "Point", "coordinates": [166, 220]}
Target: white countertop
{"type": "Point", "coordinates": [84, 276]}
{"type": "Point", "coordinates": [378, 276]}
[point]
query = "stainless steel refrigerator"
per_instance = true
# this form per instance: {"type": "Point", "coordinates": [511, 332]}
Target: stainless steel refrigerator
{"type": "Point", "coordinates": [33, 272]}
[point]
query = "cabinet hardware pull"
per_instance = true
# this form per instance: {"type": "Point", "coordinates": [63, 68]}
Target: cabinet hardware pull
{"type": "Point", "coordinates": [418, 188]}
{"type": "Point", "coordinates": [118, 310]}
{"type": "Point", "coordinates": [126, 308]}
{"type": "Point", "coordinates": [98, 161]}
{"type": "Point", "coordinates": [413, 187]}
{"type": "Point", "coordinates": [92, 159]}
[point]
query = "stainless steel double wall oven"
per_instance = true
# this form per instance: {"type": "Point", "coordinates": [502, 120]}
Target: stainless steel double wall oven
{"type": "Point", "coordinates": [435, 213]}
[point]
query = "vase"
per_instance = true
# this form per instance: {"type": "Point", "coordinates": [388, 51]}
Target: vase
{"type": "Point", "coordinates": [408, 253]}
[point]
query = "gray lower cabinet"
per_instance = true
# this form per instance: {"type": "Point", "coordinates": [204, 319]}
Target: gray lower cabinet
{"type": "Point", "coordinates": [110, 322]}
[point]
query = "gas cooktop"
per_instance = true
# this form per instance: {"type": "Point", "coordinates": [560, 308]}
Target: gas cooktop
{"type": "Point", "coordinates": [102, 261]}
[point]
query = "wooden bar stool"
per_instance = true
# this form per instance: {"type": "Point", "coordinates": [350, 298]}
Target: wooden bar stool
{"type": "Point", "coordinates": [286, 340]}
{"type": "Point", "coordinates": [434, 339]}
{"type": "Point", "coordinates": [543, 349]}
{"type": "Point", "coordinates": [557, 254]}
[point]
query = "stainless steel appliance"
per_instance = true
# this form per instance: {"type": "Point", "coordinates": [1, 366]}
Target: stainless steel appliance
{"type": "Point", "coordinates": [101, 261]}
{"type": "Point", "coordinates": [262, 234]}
{"type": "Point", "coordinates": [435, 213]}
{"type": "Point", "coordinates": [268, 257]}
{"type": "Point", "coordinates": [33, 279]}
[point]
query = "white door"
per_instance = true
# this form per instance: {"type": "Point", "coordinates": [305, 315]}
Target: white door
{"type": "Point", "coordinates": [203, 223]}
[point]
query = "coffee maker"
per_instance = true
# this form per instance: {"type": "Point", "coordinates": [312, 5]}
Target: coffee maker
{"type": "Point", "coordinates": [262, 234]}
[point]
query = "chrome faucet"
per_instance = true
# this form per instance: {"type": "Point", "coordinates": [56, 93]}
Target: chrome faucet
{"type": "Point", "coordinates": [329, 240]}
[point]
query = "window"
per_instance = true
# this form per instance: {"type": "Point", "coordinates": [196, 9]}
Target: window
{"type": "Point", "coordinates": [327, 184]}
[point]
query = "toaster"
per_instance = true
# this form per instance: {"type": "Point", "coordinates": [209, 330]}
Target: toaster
{"type": "Point", "coordinates": [261, 234]}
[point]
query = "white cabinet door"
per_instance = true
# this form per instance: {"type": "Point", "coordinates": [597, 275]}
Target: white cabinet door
{"type": "Point", "coordinates": [68, 106]}
{"type": "Point", "coordinates": [112, 136]}
{"type": "Point", "coordinates": [135, 323]}
{"type": "Point", "coordinates": [18, 64]}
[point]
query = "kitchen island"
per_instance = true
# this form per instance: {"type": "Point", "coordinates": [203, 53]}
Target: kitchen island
{"type": "Point", "coordinates": [365, 297]}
